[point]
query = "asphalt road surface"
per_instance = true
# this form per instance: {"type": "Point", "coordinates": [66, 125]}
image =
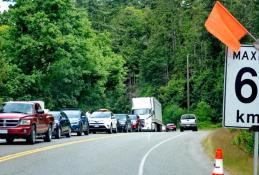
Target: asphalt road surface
{"type": "Point", "coordinates": [146, 153]}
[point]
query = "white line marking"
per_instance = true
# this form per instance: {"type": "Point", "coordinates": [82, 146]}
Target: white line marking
{"type": "Point", "coordinates": [142, 163]}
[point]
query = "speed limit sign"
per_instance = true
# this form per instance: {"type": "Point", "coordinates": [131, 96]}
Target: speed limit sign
{"type": "Point", "coordinates": [241, 99]}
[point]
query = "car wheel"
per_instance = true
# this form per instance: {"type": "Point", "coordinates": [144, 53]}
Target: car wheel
{"type": "Point", "coordinates": [9, 140]}
{"type": "Point", "coordinates": [94, 132]}
{"type": "Point", "coordinates": [69, 133]}
{"type": "Point", "coordinates": [181, 129]}
{"type": "Point", "coordinates": [110, 130]}
{"type": "Point", "coordinates": [32, 137]}
{"type": "Point", "coordinates": [140, 129]}
{"type": "Point", "coordinates": [195, 129]}
{"type": "Point", "coordinates": [80, 132]}
{"type": "Point", "coordinates": [58, 134]}
{"type": "Point", "coordinates": [87, 131]}
{"type": "Point", "coordinates": [48, 135]}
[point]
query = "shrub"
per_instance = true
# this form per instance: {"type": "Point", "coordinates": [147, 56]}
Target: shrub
{"type": "Point", "coordinates": [245, 141]}
{"type": "Point", "coordinates": [204, 112]}
{"type": "Point", "coordinates": [172, 113]}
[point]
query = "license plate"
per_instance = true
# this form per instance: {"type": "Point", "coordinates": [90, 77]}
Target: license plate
{"type": "Point", "coordinates": [3, 131]}
{"type": "Point", "coordinates": [96, 126]}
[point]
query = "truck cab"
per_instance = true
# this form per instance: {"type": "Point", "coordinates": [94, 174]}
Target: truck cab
{"type": "Point", "coordinates": [26, 120]}
{"type": "Point", "coordinates": [149, 111]}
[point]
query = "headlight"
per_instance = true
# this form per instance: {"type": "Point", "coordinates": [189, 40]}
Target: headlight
{"type": "Point", "coordinates": [25, 122]}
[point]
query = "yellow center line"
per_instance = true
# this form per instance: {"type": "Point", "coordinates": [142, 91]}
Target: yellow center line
{"type": "Point", "coordinates": [37, 150]}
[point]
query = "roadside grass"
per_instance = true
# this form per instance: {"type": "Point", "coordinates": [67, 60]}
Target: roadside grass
{"type": "Point", "coordinates": [236, 162]}
{"type": "Point", "coordinates": [208, 125]}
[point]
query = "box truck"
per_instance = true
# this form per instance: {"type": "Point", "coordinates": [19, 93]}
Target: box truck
{"type": "Point", "coordinates": [149, 111]}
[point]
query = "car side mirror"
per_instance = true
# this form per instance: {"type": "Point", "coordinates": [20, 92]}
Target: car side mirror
{"type": "Point", "coordinates": [40, 111]}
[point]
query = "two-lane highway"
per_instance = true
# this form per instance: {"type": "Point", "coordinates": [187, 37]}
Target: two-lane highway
{"type": "Point", "coordinates": [98, 154]}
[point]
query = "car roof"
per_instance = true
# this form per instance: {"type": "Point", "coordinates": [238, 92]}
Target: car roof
{"type": "Point", "coordinates": [189, 115]}
{"type": "Point", "coordinates": [54, 111]}
{"type": "Point", "coordinates": [22, 102]}
{"type": "Point", "coordinates": [103, 110]}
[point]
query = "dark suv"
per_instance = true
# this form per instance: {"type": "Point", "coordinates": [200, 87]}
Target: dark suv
{"type": "Point", "coordinates": [124, 122]}
{"type": "Point", "coordinates": [62, 124]}
{"type": "Point", "coordinates": [78, 120]}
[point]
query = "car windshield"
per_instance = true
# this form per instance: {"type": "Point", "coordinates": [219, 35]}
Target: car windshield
{"type": "Point", "coordinates": [144, 111]}
{"type": "Point", "coordinates": [101, 115]}
{"type": "Point", "coordinates": [133, 117]}
{"type": "Point", "coordinates": [121, 116]}
{"type": "Point", "coordinates": [55, 114]}
{"type": "Point", "coordinates": [73, 113]}
{"type": "Point", "coordinates": [25, 108]}
{"type": "Point", "coordinates": [189, 116]}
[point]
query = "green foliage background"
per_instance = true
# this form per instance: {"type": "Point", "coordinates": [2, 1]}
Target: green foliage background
{"type": "Point", "coordinates": [101, 53]}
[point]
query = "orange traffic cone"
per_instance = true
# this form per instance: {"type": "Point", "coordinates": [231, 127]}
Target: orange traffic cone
{"type": "Point", "coordinates": [218, 166]}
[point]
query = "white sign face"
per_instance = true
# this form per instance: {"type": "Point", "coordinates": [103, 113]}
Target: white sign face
{"type": "Point", "coordinates": [241, 99]}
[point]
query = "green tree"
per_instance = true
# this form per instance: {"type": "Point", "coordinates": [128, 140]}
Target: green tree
{"type": "Point", "coordinates": [56, 56]}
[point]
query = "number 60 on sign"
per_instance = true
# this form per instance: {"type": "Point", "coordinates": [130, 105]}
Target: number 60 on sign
{"type": "Point", "coordinates": [241, 99]}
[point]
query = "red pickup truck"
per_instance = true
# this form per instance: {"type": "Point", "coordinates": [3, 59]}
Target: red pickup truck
{"type": "Point", "coordinates": [22, 119]}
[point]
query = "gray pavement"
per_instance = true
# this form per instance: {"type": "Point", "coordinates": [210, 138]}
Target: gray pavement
{"type": "Point", "coordinates": [145, 153]}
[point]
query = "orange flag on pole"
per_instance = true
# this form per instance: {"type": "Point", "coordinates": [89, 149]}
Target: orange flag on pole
{"type": "Point", "coordinates": [225, 27]}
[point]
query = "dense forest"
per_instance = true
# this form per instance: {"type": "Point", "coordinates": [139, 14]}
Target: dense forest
{"type": "Point", "coordinates": [101, 53]}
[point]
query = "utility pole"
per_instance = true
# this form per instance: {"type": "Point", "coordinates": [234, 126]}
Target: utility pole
{"type": "Point", "coordinates": [188, 85]}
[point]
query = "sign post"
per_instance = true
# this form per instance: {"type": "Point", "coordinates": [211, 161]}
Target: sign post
{"type": "Point", "coordinates": [241, 93]}
{"type": "Point", "coordinates": [256, 153]}
{"type": "Point", "coordinates": [256, 131]}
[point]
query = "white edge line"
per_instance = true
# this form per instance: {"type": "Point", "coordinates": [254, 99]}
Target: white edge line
{"type": "Point", "coordinates": [142, 163]}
